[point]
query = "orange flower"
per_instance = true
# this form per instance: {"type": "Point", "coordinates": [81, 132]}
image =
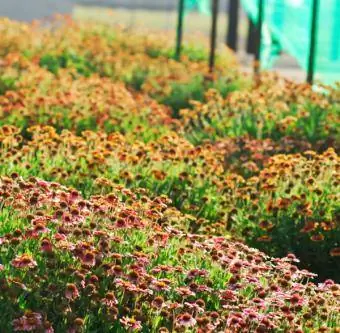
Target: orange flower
{"type": "Point", "coordinates": [264, 238]}
{"type": "Point", "coordinates": [328, 225]}
{"type": "Point", "coordinates": [335, 252]}
{"type": "Point", "coordinates": [317, 238]}
{"type": "Point", "coordinates": [159, 175]}
{"type": "Point", "coordinates": [308, 227]}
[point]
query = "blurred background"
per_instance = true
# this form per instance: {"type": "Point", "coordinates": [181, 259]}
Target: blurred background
{"type": "Point", "coordinates": [161, 15]}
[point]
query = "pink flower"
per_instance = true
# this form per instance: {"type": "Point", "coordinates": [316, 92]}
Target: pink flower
{"type": "Point", "coordinates": [89, 258]}
{"type": "Point", "coordinates": [39, 228]}
{"type": "Point", "coordinates": [251, 314]}
{"type": "Point", "coordinates": [23, 261]}
{"type": "Point", "coordinates": [43, 183]}
{"type": "Point", "coordinates": [185, 320]}
{"type": "Point", "coordinates": [296, 299]}
{"type": "Point", "coordinates": [196, 272]}
{"type": "Point", "coordinates": [46, 245]}
{"type": "Point", "coordinates": [48, 327]}
{"type": "Point", "coordinates": [49, 330]}
{"type": "Point", "coordinates": [59, 237]}
{"type": "Point", "coordinates": [194, 307]}
{"type": "Point", "coordinates": [71, 291]}
{"type": "Point", "coordinates": [229, 295]}
{"type": "Point", "coordinates": [131, 323]}
{"type": "Point", "coordinates": [184, 291]}
{"type": "Point", "coordinates": [235, 320]}
{"type": "Point", "coordinates": [74, 195]}
{"type": "Point", "coordinates": [28, 322]}
{"type": "Point", "coordinates": [121, 223]}
{"type": "Point", "coordinates": [159, 285]}
{"type": "Point", "coordinates": [1, 267]}
{"type": "Point", "coordinates": [157, 302]}
{"type": "Point", "coordinates": [109, 300]}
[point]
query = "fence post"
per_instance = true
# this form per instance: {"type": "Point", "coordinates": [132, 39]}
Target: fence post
{"type": "Point", "coordinates": [257, 66]}
{"type": "Point", "coordinates": [213, 35]}
{"type": "Point", "coordinates": [179, 34]}
{"type": "Point", "coordinates": [251, 38]}
{"type": "Point", "coordinates": [313, 41]}
{"type": "Point", "coordinates": [233, 16]}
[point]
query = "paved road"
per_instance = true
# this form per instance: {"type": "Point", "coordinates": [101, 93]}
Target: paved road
{"type": "Point", "coordinates": [27, 10]}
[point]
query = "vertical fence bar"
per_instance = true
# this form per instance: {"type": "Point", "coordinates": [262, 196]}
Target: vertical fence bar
{"type": "Point", "coordinates": [257, 66]}
{"type": "Point", "coordinates": [313, 41]}
{"type": "Point", "coordinates": [213, 35]}
{"type": "Point", "coordinates": [251, 38]}
{"type": "Point", "coordinates": [233, 16]}
{"type": "Point", "coordinates": [179, 34]}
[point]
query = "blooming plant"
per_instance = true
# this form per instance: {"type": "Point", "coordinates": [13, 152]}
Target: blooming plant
{"type": "Point", "coordinates": [119, 264]}
{"type": "Point", "coordinates": [139, 193]}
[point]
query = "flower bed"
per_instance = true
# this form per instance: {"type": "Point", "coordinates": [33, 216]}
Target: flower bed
{"type": "Point", "coordinates": [137, 192]}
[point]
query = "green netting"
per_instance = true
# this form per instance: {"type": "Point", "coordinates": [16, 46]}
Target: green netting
{"type": "Point", "coordinates": [287, 27]}
{"type": "Point", "coordinates": [203, 6]}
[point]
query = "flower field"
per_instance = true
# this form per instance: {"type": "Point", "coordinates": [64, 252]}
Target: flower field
{"type": "Point", "coordinates": [142, 194]}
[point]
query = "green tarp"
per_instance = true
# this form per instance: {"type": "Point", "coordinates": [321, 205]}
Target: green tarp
{"type": "Point", "coordinates": [287, 27]}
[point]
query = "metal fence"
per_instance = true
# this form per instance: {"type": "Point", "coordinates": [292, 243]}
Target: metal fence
{"type": "Point", "coordinates": [221, 9]}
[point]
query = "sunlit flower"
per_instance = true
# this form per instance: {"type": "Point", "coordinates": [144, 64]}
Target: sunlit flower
{"type": "Point", "coordinates": [23, 261]}
{"type": "Point", "coordinates": [130, 323]}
